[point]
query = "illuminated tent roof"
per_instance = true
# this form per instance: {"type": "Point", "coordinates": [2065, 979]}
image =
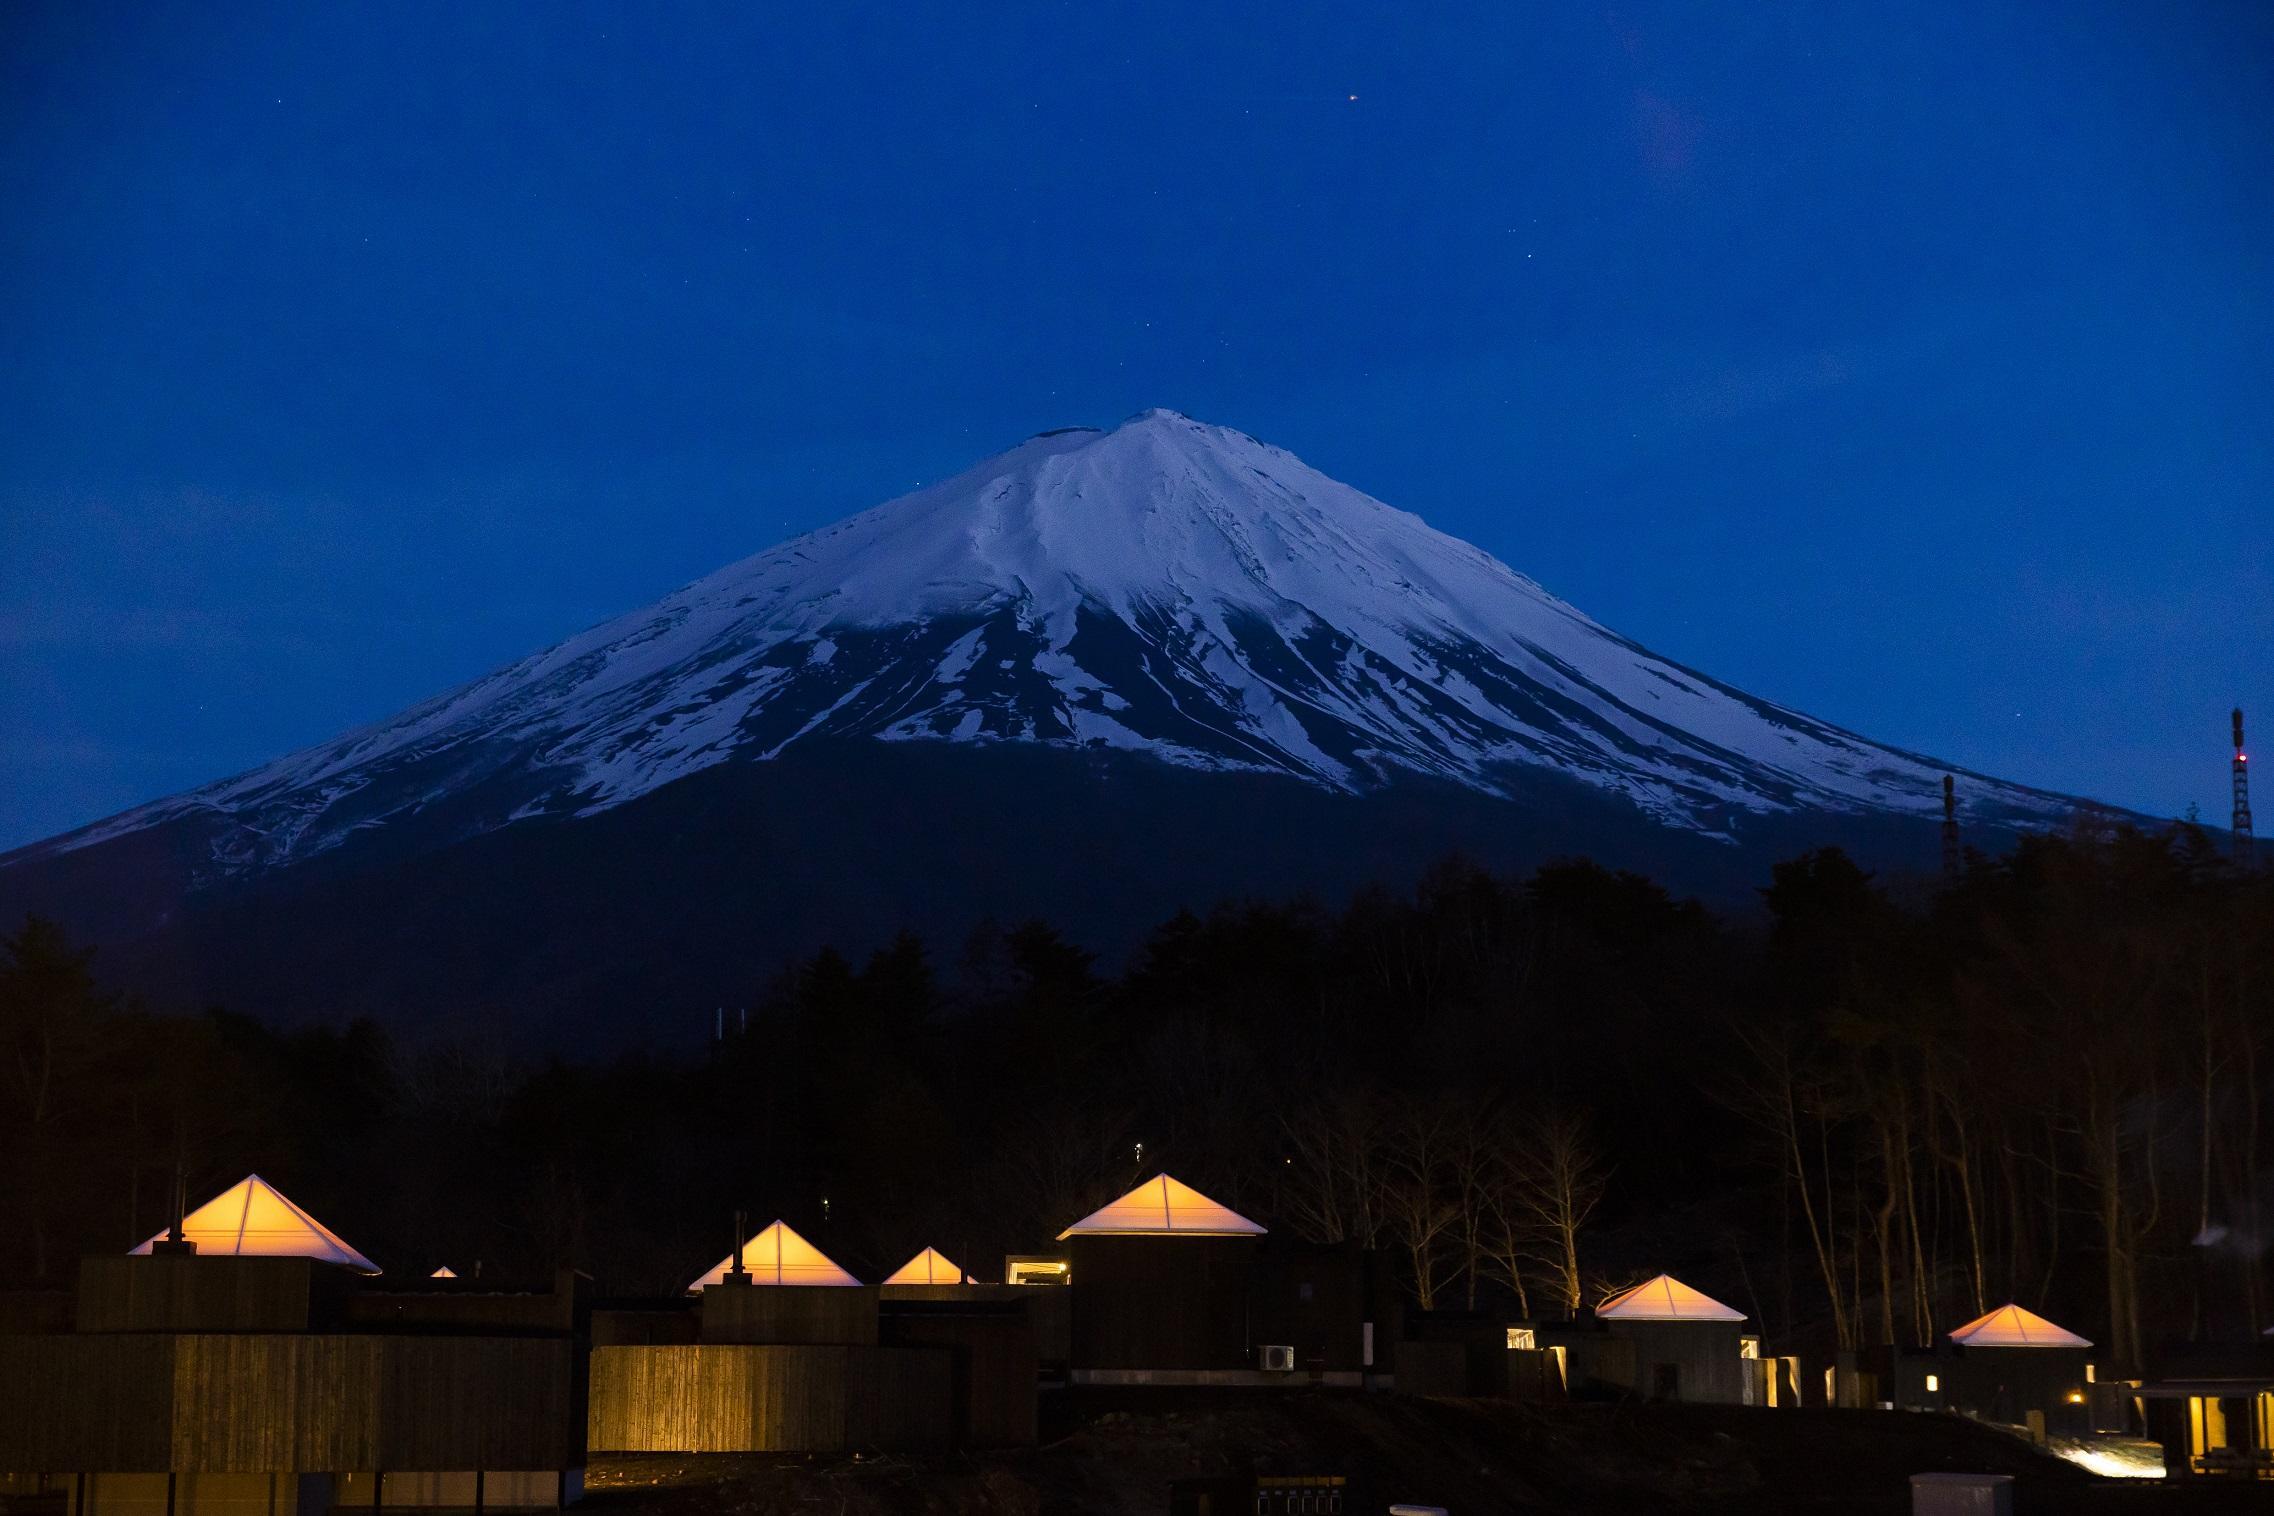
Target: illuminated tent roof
{"type": "Point", "coordinates": [927, 1267]}
{"type": "Point", "coordinates": [779, 1256]}
{"type": "Point", "coordinates": [445, 1272]}
{"type": "Point", "coordinates": [2009, 1326]}
{"type": "Point", "coordinates": [252, 1219]}
{"type": "Point", "coordinates": [1665, 1299]}
{"type": "Point", "coordinates": [1163, 1207]}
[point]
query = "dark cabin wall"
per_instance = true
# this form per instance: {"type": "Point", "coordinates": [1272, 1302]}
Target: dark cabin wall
{"type": "Point", "coordinates": [1049, 1309]}
{"type": "Point", "coordinates": [1314, 1300]}
{"type": "Point", "coordinates": [1702, 1356]}
{"type": "Point", "coordinates": [467, 1305]}
{"type": "Point", "coordinates": [190, 1293]}
{"type": "Point", "coordinates": [2006, 1384]}
{"type": "Point", "coordinates": [1162, 1303]}
{"type": "Point", "coordinates": [789, 1313]}
{"type": "Point", "coordinates": [993, 1343]}
{"type": "Point", "coordinates": [1481, 1340]}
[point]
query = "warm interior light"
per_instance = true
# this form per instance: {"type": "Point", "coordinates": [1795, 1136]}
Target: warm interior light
{"type": "Point", "coordinates": [1934, 1384]}
{"type": "Point", "coordinates": [1523, 1337]}
{"type": "Point", "coordinates": [2076, 1397]}
{"type": "Point", "coordinates": [777, 1255]}
{"type": "Point", "coordinates": [253, 1219]}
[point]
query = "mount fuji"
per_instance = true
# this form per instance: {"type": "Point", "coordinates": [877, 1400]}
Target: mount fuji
{"type": "Point", "coordinates": [1130, 668]}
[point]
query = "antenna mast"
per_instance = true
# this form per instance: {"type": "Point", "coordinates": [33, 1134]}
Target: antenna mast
{"type": "Point", "coordinates": [1949, 829]}
{"type": "Point", "coordinates": [2243, 841]}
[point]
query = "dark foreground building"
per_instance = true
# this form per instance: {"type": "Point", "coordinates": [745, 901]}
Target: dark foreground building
{"type": "Point", "coordinates": [218, 1375]}
{"type": "Point", "coordinates": [782, 1351]}
{"type": "Point", "coordinates": [2211, 1405]}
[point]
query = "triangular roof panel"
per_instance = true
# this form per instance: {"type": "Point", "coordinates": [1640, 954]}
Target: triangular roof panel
{"type": "Point", "coordinates": [779, 1255]}
{"type": "Point", "coordinates": [2009, 1326]}
{"type": "Point", "coordinates": [445, 1272]}
{"type": "Point", "coordinates": [927, 1267]}
{"type": "Point", "coordinates": [1665, 1299]}
{"type": "Point", "coordinates": [1163, 1207]}
{"type": "Point", "coordinates": [253, 1219]}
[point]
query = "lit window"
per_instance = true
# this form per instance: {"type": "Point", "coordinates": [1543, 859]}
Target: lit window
{"type": "Point", "coordinates": [1748, 1347]}
{"type": "Point", "coordinates": [1934, 1384]}
{"type": "Point", "coordinates": [1523, 1337]}
{"type": "Point", "coordinates": [2089, 1379]}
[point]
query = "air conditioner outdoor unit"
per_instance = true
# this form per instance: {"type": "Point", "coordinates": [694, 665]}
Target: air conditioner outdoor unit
{"type": "Point", "coordinates": [1277, 1358]}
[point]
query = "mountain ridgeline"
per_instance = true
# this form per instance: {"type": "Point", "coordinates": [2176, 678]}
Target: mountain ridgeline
{"type": "Point", "coordinates": [1106, 674]}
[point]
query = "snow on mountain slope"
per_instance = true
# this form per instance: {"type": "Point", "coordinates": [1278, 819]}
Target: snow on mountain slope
{"type": "Point", "coordinates": [1168, 588]}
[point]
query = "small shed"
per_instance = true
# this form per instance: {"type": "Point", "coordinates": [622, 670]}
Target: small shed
{"type": "Point", "coordinates": [1161, 1280]}
{"type": "Point", "coordinates": [1687, 1345]}
{"type": "Point", "coordinates": [2012, 1365]}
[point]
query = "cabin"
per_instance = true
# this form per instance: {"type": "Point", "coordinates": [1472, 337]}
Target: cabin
{"type": "Point", "coordinates": [780, 1350]}
{"type": "Point", "coordinates": [2211, 1406]}
{"type": "Point", "coordinates": [1161, 1279]}
{"type": "Point", "coordinates": [248, 1360]}
{"type": "Point", "coordinates": [1168, 1286]}
{"type": "Point", "coordinates": [1683, 1345]}
{"type": "Point", "coordinates": [2009, 1365]}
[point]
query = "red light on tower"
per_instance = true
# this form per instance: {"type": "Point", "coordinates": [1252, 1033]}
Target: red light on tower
{"type": "Point", "coordinates": [2241, 824]}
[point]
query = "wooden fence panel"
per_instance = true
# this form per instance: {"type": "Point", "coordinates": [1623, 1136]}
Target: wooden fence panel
{"type": "Point", "coordinates": [253, 1403]}
{"type": "Point", "coordinates": [84, 1403]}
{"type": "Point", "coordinates": [743, 1398]}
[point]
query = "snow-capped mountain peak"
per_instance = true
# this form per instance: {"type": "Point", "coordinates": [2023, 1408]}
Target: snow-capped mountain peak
{"type": "Point", "coordinates": [1166, 588]}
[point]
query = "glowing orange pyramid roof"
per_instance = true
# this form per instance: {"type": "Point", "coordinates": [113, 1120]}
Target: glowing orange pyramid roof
{"type": "Point", "coordinates": [779, 1256]}
{"type": "Point", "coordinates": [2009, 1326]}
{"type": "Point", "coordinates": [1665, 1299]}
{"type": "Point", "coordinates": [252, 1219]}
{"type": "Point", "coordinates": [1163, 1207]}
{"type": "Point", "coordinates": [927, 1267]}
{"type": "Point", "coordinates": [445, 1272]}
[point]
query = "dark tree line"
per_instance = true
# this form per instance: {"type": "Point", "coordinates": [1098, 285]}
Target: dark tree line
{"type": "Point", "coordinates": [1868, 1116]}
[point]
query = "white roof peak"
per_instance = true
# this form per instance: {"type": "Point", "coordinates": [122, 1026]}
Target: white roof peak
{"type": "Point", "coordinates": [776, 1256]}
{"type": "Point", "coordinates": [2009, 1326]}
{"type": "Point", "coordinates": [254, 1219]}
{"type": "Point", "coordinates": [1164, 1207]}
{"type": "Point", "coordinates": [1665, 1298]}
{"type": "Point", "coordinates": [931, 1266]}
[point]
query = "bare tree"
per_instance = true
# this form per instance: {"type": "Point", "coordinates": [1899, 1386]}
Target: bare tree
{"type": "Point", "coordinates": [1555, 1179]}
{"type": "Point", "coordinates": [1790, 1106]}
{"type": "Point", "coordinates": [1419, 1142]}
{"type": "Point", "coordinates": [1331, 1179]}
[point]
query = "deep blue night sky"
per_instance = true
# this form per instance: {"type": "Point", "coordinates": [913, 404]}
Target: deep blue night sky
{"type": "Point", "coordinates": [1910, 365]}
